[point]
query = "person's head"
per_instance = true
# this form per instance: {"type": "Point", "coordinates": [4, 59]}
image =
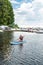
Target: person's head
{"type": "Point", "coordinates": [21, 37]}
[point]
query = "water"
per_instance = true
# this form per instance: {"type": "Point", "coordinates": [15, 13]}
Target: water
{"type": "Point", "coordinates": [29, 53]}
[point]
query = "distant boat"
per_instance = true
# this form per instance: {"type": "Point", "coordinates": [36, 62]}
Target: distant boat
{"type": "Point", "coordinates": [1, 30]}
{"type": "Point", "coordinates": [41, 32]}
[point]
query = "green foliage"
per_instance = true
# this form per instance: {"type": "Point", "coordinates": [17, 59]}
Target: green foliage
{"type": "Point", "coordinates": [6, 13]}
{"type": "Point", "coordinates": [14, 25]}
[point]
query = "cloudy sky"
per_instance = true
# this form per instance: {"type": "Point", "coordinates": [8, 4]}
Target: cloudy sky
{"type": "Point", "coordinates": [28, 12]}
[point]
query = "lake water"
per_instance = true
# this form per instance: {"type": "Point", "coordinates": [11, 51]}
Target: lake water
{"type": "Point", "coordinates": [29, 53]}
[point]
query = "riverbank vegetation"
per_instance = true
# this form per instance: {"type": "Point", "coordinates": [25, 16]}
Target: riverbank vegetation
{"type": "Point", "coordinates": [6, 14]}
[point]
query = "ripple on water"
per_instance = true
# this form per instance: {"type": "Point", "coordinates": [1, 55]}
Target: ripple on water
{"type": "Point", "coordinates": [30, 53]}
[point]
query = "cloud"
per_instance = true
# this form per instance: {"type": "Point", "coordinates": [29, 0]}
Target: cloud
{"type": "Point", "coordinates": [29, 13]}
{"type": "Point", "coordinates": [14, 2]}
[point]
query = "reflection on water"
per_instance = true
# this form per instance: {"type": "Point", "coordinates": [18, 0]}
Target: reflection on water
{"type": "Point", "coordinates": [5, 47]}
{"type": "Point", "coordinates": [29, 53]}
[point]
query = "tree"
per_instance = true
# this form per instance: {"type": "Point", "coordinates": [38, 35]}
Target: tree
{"type": "Point", "coordinates": [6, 13]}
{"type": "Point", "coordinates": [16, 26]}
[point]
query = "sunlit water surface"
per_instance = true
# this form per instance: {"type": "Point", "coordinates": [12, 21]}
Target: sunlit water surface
{"type": "Point", "coordinates": [29, 53]}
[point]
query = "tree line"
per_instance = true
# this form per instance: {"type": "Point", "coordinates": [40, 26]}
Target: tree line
{"type": "Point", "coordinates": [6, 14]}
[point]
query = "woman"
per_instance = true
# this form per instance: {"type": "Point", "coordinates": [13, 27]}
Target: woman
{"type": "Point", "coordinates": [21, 38]}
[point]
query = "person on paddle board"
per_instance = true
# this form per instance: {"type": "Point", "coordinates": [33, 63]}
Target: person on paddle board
{"type": "Point", "coordinates": [20, 38]}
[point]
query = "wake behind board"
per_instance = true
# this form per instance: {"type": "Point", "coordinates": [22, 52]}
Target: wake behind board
{"type": "Point", "coordinates": [17, 42]}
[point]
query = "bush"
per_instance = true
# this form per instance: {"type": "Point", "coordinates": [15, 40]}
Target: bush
{"type": "Point", "coordinates": [6, 13]}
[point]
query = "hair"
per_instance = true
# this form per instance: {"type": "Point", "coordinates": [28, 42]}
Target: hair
{"type": "Point", "coordinates": [21, 37]}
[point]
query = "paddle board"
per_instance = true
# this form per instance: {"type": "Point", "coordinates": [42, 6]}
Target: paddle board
{"type": "Point", "coordinates": [16, 42]}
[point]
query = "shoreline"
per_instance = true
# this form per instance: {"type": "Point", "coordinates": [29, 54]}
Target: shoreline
{"type": "Point", "coordinates": [11, 30]}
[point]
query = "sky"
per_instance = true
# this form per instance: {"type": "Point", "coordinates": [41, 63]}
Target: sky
{"type": "Point", "coordinates": [28, 13]}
